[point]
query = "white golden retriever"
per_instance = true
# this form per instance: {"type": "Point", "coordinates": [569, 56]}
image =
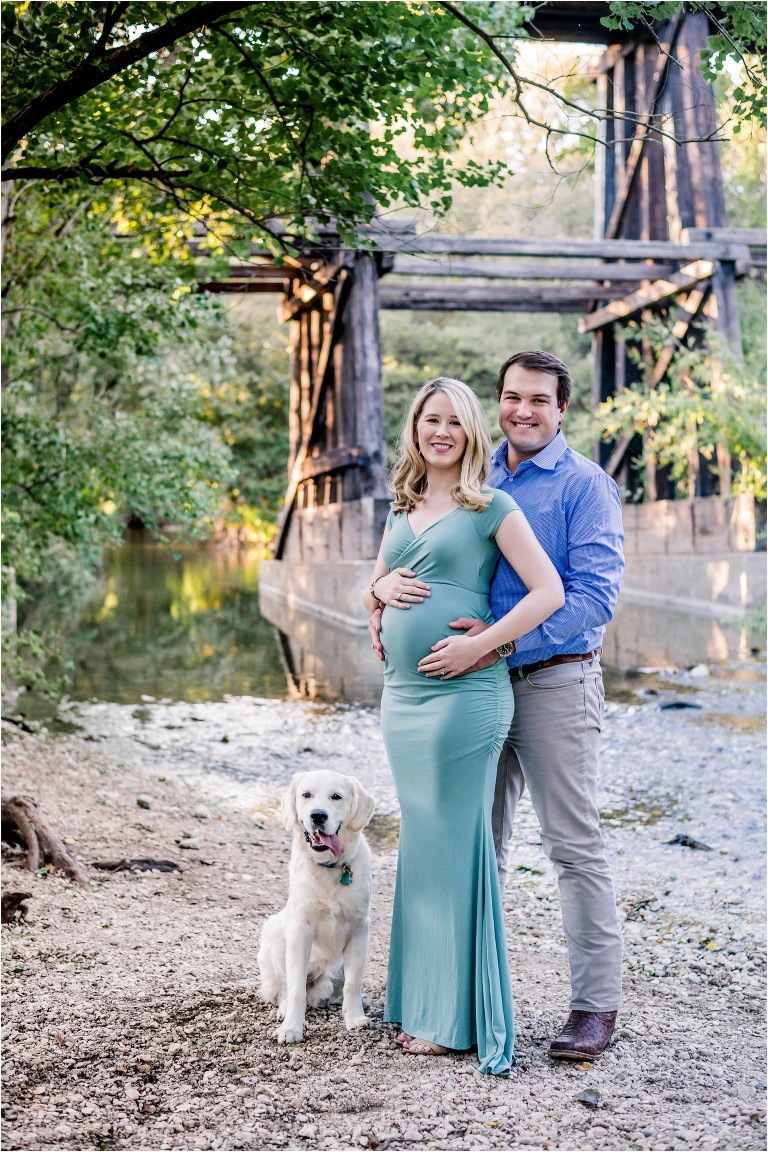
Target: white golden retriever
{"type": "Point", "coordinates": [321, 936]}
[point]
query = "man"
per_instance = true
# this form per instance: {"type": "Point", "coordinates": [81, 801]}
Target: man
{"type": "Point", "coordinates": [552, 747]}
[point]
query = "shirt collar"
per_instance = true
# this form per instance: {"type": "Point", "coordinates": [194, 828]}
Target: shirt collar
{"type": "Point", "coordinates": [546, 459]}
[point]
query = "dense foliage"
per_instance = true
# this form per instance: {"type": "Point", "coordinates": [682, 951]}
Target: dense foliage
{"type": "Point", "coordinates": [248, 407]}
{"type": "Point", "coordinates": [264, 109]}
{"type": "Point", "coordinates": [706, 400]}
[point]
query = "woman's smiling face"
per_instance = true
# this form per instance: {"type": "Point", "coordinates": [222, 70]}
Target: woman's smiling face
{"type": "Point", "coordinates": [439, 435]}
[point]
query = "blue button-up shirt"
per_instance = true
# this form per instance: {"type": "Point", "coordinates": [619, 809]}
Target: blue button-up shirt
{"type": "Point", "coordinates": [574, 508]}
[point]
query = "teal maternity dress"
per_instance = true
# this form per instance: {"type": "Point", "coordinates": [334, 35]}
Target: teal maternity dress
{"type": "Point", "coordinates": [448, 972]}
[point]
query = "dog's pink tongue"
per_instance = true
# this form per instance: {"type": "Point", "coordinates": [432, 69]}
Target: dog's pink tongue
{"type": "Point", "coordinates": [331, 842]}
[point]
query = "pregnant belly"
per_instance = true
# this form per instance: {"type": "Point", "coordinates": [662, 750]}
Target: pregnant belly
{"type": "Point", "coordinates": [408, 636]}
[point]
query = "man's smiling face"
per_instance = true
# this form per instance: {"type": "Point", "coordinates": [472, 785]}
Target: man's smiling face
{"type": "Point", "coordinates": [529, 415]}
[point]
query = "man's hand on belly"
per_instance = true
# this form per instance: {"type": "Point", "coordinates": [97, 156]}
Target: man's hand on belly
{"type": "Point", "coordinates": [374, 631]}
{"type": "Point", "coordinates": [473, 628]}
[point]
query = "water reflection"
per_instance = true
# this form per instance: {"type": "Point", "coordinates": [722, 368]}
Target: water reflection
{"type": "Point", "coordinates": [324, 661]}
{"type": "Point", "coordinates": [641, 634]}
{"type": "Point", "coordinates": [189, 626]}
{"type": "Point", "coordinates": [183, 626]}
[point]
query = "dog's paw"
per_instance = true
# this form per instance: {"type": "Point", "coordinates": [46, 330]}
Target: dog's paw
{"type": "Point", "coordinates": [287, 1035]}
{"type": "Point", "coordinates": [353, 1022]}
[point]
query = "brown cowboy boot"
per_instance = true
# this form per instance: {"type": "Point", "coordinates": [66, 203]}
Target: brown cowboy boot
{"type": "Point", "coordinates": [584, 1037]}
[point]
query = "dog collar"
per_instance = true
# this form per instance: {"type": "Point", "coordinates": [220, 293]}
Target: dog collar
{"type": "Point", "coordinates": [346, 871]}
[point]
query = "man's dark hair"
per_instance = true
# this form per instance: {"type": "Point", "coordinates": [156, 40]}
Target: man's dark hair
{"type": "Point", "coordinates": [539, 362]}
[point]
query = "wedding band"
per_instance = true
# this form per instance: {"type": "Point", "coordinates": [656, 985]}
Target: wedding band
{"type": "Point", "coordinates": [442, 671]}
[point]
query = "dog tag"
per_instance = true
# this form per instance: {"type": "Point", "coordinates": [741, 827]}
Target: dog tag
{"type": "Point", "coordinates": [346, 875]}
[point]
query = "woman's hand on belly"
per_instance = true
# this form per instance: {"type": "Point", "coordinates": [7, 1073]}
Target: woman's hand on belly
{"type": "Point", "coordinates": [400, 588]}
{"type": "Point", "coordinates": [453, 656]}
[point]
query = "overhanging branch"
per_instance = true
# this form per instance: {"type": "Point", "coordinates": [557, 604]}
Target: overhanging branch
{"type": "Point", "coordinates": [96, 172]}
{"type": "Point", "coordinates": [93, 72]}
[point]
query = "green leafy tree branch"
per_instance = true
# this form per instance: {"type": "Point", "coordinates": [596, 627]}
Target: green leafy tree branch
{"type": "Point", "coordinates": [706, 400]}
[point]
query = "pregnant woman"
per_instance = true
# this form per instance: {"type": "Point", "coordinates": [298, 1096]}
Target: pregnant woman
{"type": "Point", "coordinates": [448, 983]}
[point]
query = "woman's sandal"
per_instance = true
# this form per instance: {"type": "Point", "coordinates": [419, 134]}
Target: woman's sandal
{"type": "Point", "coordinates": [418, 1047]}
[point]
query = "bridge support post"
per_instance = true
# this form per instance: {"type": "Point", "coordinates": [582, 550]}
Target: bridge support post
{"type": "Point", "coordinates": [363, 311]}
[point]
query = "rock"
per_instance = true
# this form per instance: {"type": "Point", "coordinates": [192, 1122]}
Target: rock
{"type": "Point", "coordinates": [700, 671]}
{"type": "Point", "coordinates": [689, 842]}
{"type": "Point", "coordinates": [243, 1139]}
{"type": "Point", "coordinates": [189, 842]}
{"type": "Point", "coordinates": [590, 1098]}
{"type": "Point", "coordinates": [201, 812]}
{"type": "Point", "coordinates": [412, 1133]}
{"type": "Point", "coordinates": [144, 801]}
{"type": "Point", "coordinates": [307, 1132]}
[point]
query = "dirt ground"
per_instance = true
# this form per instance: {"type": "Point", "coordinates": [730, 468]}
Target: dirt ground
{"type": "Point", "coordinates": [131, 1017]}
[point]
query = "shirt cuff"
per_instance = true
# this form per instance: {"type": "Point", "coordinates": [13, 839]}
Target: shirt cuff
{"type": "Point", "coordinates": [529, 641]}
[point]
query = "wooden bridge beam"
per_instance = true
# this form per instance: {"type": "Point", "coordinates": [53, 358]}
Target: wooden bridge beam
{"type": "Point", "coordinates": [533, 297]}
{"type": "Point", "coordinates": [501, 269]}
{"type": "Point", "coordinates": [337, 402]}
{"type": "Point", "coordinates": [369, 390]}
{"type": "Point", "coordinates": [655, 293]}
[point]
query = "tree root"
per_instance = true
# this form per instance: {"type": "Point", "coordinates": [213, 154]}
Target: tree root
{"type": "Point", "coordinates": [140, 865]}
{"type": "Point", "coordinates": [21, 814]}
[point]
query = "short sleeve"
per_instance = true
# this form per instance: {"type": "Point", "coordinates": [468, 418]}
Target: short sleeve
{"type": "Point", "coordinates": [501, 505]}
{"type": "Point", "coordinates": [390, 520]}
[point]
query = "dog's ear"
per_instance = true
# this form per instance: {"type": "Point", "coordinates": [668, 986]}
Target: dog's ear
{"type": "Point", "coordinates": [288, 813]}
{"type": "Point", "coordinates": [363, 805]}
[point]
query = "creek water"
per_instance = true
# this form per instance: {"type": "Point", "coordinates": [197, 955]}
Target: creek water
{"type": "Point", "coordinates": [188, 626]}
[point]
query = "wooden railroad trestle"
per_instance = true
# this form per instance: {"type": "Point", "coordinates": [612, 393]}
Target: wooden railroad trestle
{"type": "Point", "coordinates": [661, 243]}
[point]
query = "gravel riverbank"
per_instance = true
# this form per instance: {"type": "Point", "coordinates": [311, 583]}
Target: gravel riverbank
{"type": "Point", "coordinates": [131, 1018]}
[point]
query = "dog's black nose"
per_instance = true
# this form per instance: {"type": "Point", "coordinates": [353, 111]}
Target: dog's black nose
{"type": "Point", "coordinates": [318, 817]}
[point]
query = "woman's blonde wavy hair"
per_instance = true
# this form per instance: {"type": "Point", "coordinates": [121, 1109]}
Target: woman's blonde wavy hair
{"type": "Point", "coordinates": [409, 476]}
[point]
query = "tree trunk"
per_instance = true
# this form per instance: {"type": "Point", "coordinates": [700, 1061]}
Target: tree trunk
{"type": "Point", "coordinates": [41, 842]}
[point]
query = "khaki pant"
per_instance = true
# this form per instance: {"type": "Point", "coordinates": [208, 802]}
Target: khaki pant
{"type": "Point", "coordinates": [552, 748]}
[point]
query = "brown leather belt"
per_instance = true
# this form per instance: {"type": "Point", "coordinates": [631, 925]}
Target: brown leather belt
{"type": "Point", "coordinates": [566, 658]}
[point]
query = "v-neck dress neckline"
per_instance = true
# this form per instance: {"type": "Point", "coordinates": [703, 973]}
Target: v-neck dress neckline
{"type": "Point", "coordinates": [433, 524]}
